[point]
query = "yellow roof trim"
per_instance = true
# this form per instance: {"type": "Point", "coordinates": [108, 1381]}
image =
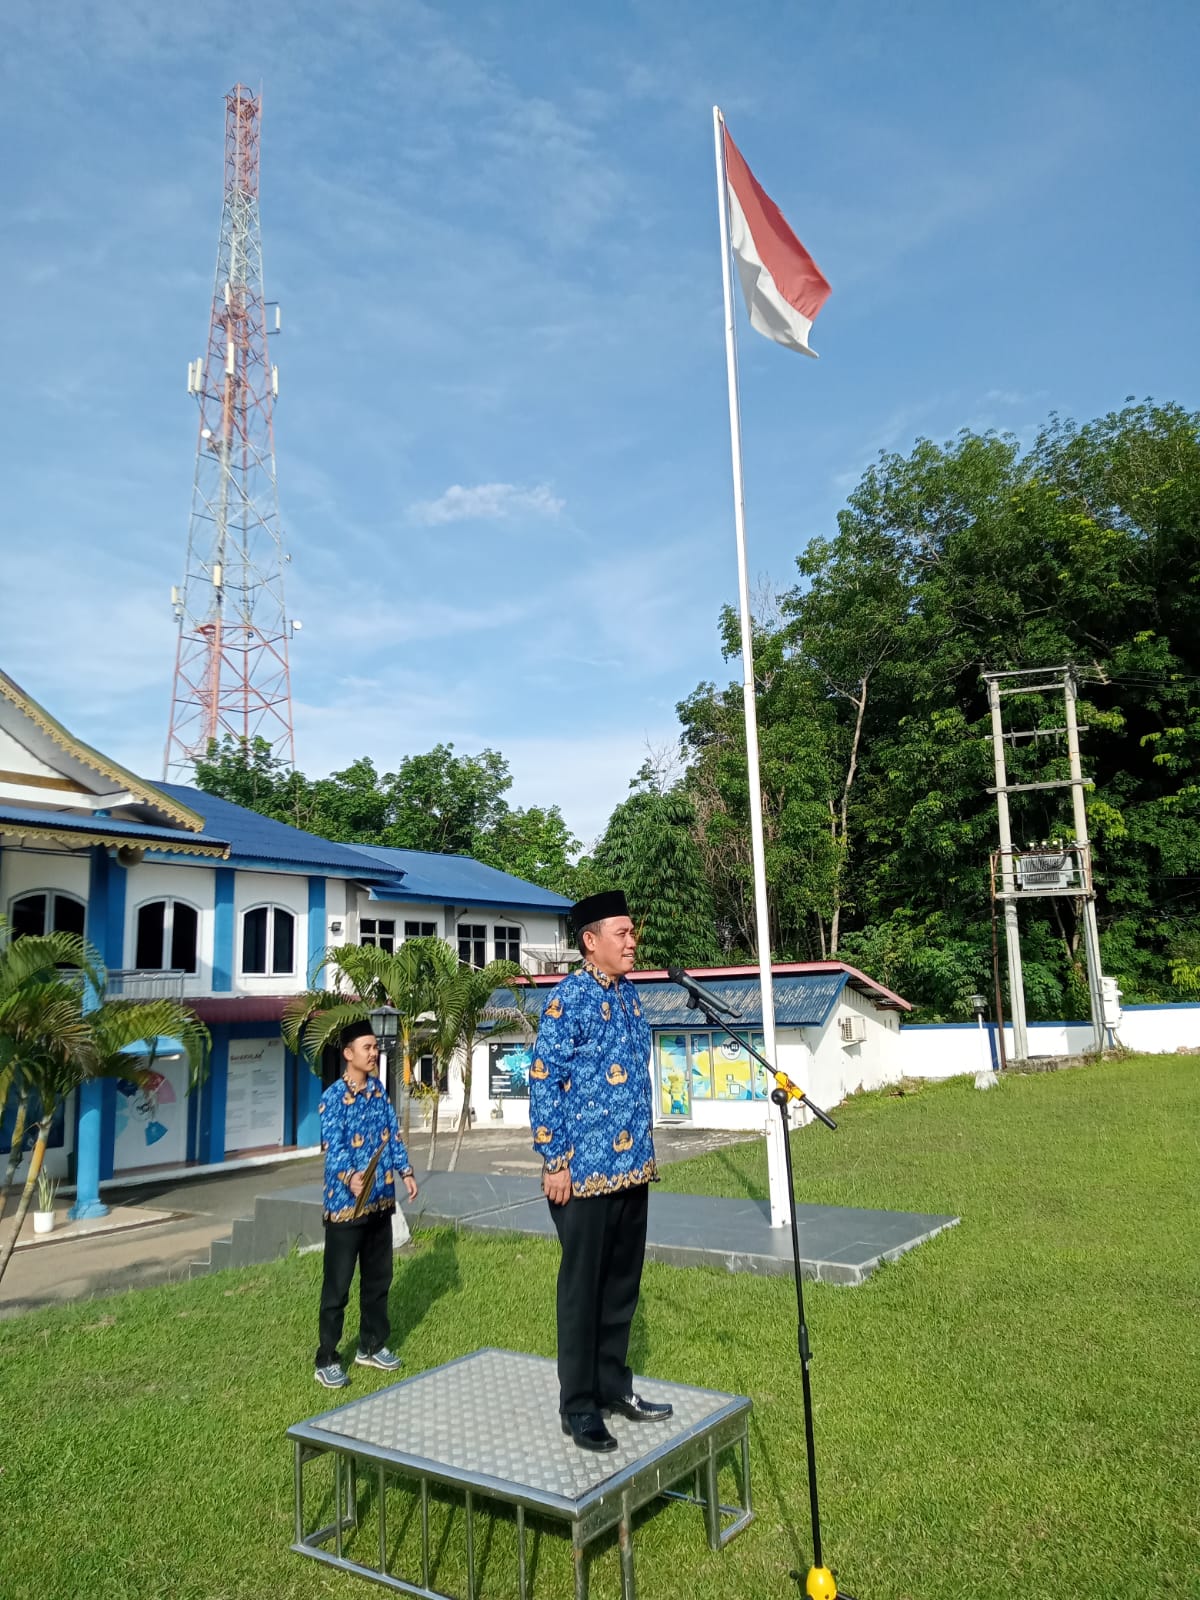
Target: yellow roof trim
{"type": "Point", "coordinates": [108, 768]}
{"type": "Point", "coordinates": [76, 839]}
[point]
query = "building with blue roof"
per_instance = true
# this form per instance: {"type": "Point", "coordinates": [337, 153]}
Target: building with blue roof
{"type": "Point", "coordinates": [187, 894]}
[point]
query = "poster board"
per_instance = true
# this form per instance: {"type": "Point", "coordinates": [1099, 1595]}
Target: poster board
{"type": "Point", "coordinates": [254, 1094]}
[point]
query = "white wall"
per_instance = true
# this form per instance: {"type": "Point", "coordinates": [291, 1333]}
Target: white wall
{"type": "Point", "coordinates": [22, 871]}
{"type": "Point", "coordinates": [944, 1050]}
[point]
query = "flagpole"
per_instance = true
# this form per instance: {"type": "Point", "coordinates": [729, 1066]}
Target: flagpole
{"type": "Point", "coordinates": [776, 1151]}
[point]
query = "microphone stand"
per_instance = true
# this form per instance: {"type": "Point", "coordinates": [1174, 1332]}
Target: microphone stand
{"type": "Point", "coordinates": [820, 1582]}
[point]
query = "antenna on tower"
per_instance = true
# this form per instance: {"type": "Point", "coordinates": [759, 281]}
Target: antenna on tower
{"type": "Point", "coordinates": [231, 661]}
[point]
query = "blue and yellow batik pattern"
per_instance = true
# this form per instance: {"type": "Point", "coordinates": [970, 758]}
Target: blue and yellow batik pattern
{"type": "Point", "coordinates": [354, 1123]}
{"type": "Point", "coordinates": [589, 1084]}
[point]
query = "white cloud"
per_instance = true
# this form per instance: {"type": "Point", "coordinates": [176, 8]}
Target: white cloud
{"type": "Point", "coordinates": [487, 502]}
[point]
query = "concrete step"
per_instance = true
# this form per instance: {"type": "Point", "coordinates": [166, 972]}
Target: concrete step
{"type": "Point", "coordinates": [221, 1255]}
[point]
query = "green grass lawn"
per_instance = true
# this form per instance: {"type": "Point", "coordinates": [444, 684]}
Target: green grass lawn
{"type": "Point", "coordinates": [1013, 1409]}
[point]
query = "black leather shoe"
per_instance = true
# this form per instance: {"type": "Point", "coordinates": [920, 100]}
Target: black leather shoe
{"type": "Point", "coordinates": [588, 1430]}
{"type": "Point", "coordinates": [636, 1409]}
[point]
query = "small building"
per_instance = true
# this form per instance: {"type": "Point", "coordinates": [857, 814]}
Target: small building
{"type": "Point", "coordinates": [836, 1030]}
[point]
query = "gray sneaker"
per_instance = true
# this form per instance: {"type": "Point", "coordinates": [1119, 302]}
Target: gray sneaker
{"type": "Point", "coordinates": [382, 1358]}
{"type": "Point", "coordinates": [333, 1376]}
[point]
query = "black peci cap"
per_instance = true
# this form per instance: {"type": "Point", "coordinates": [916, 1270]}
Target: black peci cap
{"type": "Point", "coordinates": [611, 903]}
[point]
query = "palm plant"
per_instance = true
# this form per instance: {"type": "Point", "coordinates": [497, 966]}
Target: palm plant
{"type": "Point", "coordinates": [51, 1042]}
{"type": "Point", "coordinates": [470, 1016]}
{"type": "Point", "coordinates": [357, 980]}
{"type": "Point", "coordinates": [39, 981]}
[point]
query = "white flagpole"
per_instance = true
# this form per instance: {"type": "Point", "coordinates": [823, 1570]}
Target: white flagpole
{"type": "Point", "coordinates": [776, 1164]}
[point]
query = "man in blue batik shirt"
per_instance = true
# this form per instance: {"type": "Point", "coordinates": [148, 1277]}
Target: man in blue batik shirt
{"type": "Point", "coordinates": [590, 1111]}
{"type": "Point", "coordinates": [357, 1120]}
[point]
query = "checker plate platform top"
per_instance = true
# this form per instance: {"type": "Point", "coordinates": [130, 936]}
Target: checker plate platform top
{"type": "Point", "coordinates": [490, 1421]}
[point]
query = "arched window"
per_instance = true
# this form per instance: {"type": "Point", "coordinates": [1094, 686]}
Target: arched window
{"type": "Point", "coordinates": [269, 942]}
{"type": "Point", "coordinates": [46, 911]}
{"type": "Point", "coordinates": [167, 936]}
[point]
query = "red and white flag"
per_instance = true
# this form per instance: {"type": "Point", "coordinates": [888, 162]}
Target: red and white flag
{"type": "Point", "coordinates": [783, 285]}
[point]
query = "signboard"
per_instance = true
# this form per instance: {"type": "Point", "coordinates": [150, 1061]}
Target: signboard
{"type": "Point", "coordinates": [508, 1071]}
{"type": "Point", "coordinates": [254, 1094]}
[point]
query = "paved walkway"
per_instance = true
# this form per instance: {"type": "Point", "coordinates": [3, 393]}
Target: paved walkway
{"type": "Point", "coordinates": [156, 1228]}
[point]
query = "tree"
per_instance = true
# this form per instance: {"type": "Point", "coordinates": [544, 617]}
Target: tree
{"type": "Point", "coordinates": [51, 1040]}
{"type": "Point", "coordinates": [466, 1003]}
{"type": "Point", "coordinates": [650, 852]}
{"type": "Point", "coordinates": [533, 844]}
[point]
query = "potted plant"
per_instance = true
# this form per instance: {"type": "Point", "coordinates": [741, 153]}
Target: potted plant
{"type": "Point", "coordinates": [43, 1217]}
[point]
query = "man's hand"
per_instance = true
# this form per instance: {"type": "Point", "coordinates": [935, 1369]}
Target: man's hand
{"type": "Point", "coordinates": [410, 1186]}
{"type": "Point", "coordinates": [356, 1184]}
{"type": "Point", "coordinates": [556, 1186]}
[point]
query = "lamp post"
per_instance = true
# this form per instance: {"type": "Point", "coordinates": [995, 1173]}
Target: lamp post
{"type": "Point", "coordinates": [386, 1022]}
{"type": "Point", "coordinates": [985, 1078]}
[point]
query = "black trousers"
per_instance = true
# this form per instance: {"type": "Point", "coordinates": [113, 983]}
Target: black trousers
{"type": "Point", "coordinates": [369, 1243]}
{"type": "Point", "coordinates": [603, 1242]}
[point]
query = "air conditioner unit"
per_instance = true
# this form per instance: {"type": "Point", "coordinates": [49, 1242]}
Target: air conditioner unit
{"type": "Point", "coordinates": [1048, 869]}
{"type": "Point", "coordinates": [853, 1029]}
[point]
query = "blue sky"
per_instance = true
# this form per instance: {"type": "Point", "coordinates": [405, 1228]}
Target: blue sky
{"type": "Point", "coordinates": [502, 438]}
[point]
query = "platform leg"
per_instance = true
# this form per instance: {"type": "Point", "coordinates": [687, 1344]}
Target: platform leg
{"type": "Point", "coordinates": [522, 1580]}
{"type": "Point", "coordinates": [470, 1545]}
{"type": "Point", "coordinates": [625, 1541]}
{"type": "Point", "coordinates": [382, 1522]}
{"type": "Point", "coordinates": [299, 1483]}
{"type": "Point", "coordinates": [425, 1532]}
{"type": "Point", "coordinates": [712, 1502]}
{"type": "Point", "coordinates": [580, 1561]}
{"type": "Point", "coordinates": [337, 1504]}
{"type": "Point", "coordinates": [352, 1493]}
{"type": "Point", "coordinates": [747, 1502]}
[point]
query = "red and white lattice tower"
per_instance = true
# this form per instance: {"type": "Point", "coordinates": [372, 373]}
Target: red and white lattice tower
{"type": "Point", "coordinates": [231, 664]}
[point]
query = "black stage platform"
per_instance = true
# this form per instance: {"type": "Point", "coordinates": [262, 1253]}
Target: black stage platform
{"type": "Point", "coordinates": [487, 1425]}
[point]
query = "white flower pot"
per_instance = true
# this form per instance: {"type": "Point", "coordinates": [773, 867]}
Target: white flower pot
{"type": "Point", "coordinates": [43, 1221]}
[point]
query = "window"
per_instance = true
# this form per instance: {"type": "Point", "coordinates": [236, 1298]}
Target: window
{"type": "Point", "coordinates": [47, 912]}
{"type": "Point", "coordinates": [269, 941]}
{"type": "Point", "coordinates": [167, 936]}
{"type": "Point", "coordinates": [472, 944]}
{"type": "Point", "coordinates": [420, 930]}
{"type": "Point", "coordinates": [707, 1066]}
{"type": "Point", "coordinates": [508, 943]}
{"type": "Point", "coordinates": [379, 931]}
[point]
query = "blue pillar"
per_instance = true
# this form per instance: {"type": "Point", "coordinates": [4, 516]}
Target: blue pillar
{"type": "Point", "coordinates": [95, 1130]}
{"type": "Point", "coordinates": [316, 922]}
{"type": "Point", "coordinates": [223, 932]}
{"type": "Point", "coordinates": [212, 1097]}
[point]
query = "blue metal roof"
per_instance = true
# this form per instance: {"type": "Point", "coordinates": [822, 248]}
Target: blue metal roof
{"type": "Point", "coordinates": [98, 825]}
{"type": "Point", "coordinates": [257, 838]}
{"type": "Point", "coordinates": [458, 880]}
{"type": "Point", "coordinates": [802, 1000]}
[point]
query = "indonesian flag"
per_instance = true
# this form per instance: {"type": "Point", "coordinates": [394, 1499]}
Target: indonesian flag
{"type": "Point", "coordinates": [783, 285]}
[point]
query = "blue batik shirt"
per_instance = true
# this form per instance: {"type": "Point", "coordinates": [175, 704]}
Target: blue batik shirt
{"type": "Point", "coordinates": [354, 1123]}
{"type": "Point", "coordinates": [589, 1084]}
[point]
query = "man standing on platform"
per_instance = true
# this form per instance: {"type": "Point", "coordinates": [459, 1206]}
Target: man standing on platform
{"type": "Point", "coordinates": [590, 1111]}
{"type": "Point", "coordinates": [358, 1128]}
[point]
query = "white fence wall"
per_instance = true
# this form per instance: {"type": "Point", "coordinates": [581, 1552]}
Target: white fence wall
{"type": "Point", "coordinates": [946, 1049]}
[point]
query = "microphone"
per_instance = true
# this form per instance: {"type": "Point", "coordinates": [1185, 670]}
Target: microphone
{"type": "Point", "coordinates": [699, 997]}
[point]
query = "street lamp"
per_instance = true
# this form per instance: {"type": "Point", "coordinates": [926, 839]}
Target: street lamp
{"type": "Point", "coordinates": [985, 1078]}
{"type": "Point", "coordinates": [385, 1020]}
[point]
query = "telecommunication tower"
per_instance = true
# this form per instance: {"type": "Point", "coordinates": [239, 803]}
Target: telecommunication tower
{"type": "Point", "coordinates": [231, 661]}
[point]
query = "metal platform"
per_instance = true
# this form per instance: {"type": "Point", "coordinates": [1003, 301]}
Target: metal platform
{"type": "Point", "coordinates": [488, 1425]}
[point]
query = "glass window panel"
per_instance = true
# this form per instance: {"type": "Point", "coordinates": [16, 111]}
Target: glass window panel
{"type": "Point", "coordinates": [148, 951]}
{"type": "Point", "coordinates": [254, 940]}
{"type": "Point", "coordinates": [185, 922]}
{"type": "Point", "coordinates": [283, 950]}
{"type": "Point", "coordinates": [731, 1069]}
{"type": "Point", "coordinates": [700, 1056]}
{"type": "Point", "coordinates": [28, 917]}
{"type": "Point", "coordinates": [674, 1099]}
{"type": "Point", "coordinates": [69, 915]}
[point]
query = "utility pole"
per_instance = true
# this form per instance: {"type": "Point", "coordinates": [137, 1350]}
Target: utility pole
{"type": "Point", "coordinates": [1012, 932]}
{"type": "Point", "coordinates": [232, 675]}
{"type": "Point", "coordinates": [1051, 871]}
